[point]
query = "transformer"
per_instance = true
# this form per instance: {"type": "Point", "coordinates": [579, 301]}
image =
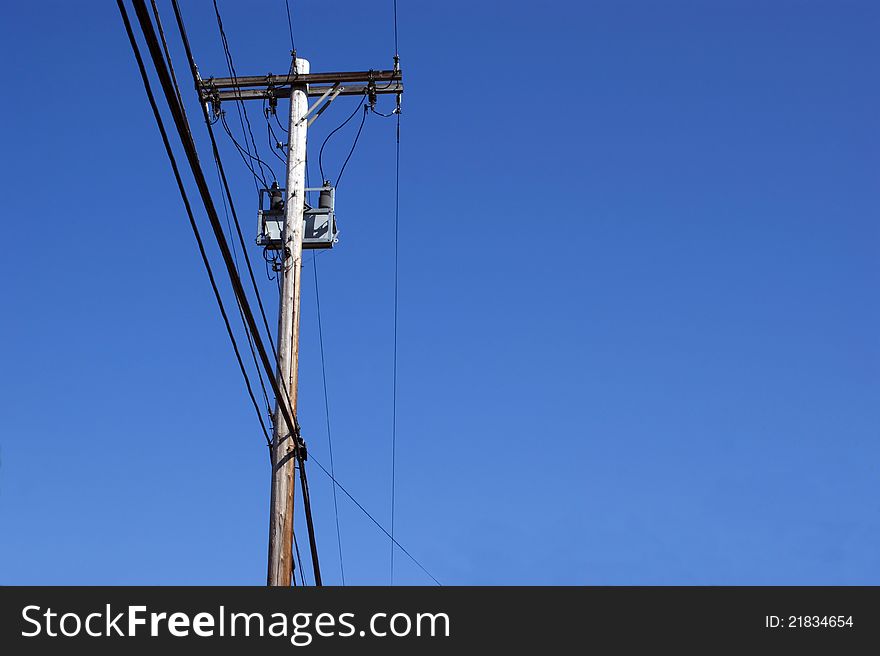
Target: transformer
{"type": "Point", "coordinates": [319, 229]}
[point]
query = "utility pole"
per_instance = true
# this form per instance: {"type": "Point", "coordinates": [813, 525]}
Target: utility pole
{"type": "Point", "coordinates": [299, 85]}
{"type": "Point", "coordinates": [284, 436]}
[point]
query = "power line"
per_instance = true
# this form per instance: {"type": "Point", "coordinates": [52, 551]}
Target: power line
{"type": "Point", "coordinates": [327, 414]}
{"type": "Point", "coordinates": [299, 562]}
{"type": "Point", "coordinates": [278, 121]}
{"type": "Point", "coordinates": [241, 315]}
{"type": "Point", "coordinates": [374, 520]}
{"type": "Point", "coordinates": [274, 142]}
{"type": "Point", "coordinates": [327, 138]}
{"type": "Point", "coordinates": [222, 175]}
{"type": "Point", "coordinates": [290, 26]}
{"type": "Point", "coordinates": [259, 178]}
{"type": "Point", "coordinates": [167, 55]}
{"type": "Point", "coordinates": [160, 124]}
{"type": "Point", "coordinates": [394, 365]}
{"type": "Point", "coordinates": [282, 400]}
{"type": "Point", "coordinates": [192, 157]}
{"type": "Point", "coordinates": [237, 223]}
{"type": "Point", "coordinates": [396, 51]}
{"type": "Point", "coordinates": [176, 108]}
{"type": "Point", "coordinates": [243, 118]}
{"type": "Point", "coordinates": [353, 146]}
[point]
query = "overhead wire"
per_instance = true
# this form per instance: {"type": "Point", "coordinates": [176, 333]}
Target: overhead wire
{"type": "Point", "coordinates": [283, 401]}
{"type": "Point", "coordinates": [374, 520]}
{"type": "Point", "coordinates": [326, 398]}
{"type": "Point", "coordinates": [246, 157]}
{"type": "Point", "coordinates": [396, 302]}
{"type": "Point", "coordinates": [195, 229]}
{"type": "Point", "coordinates": [192, 157]}
{"type": "Point", "coordinates": [290, 26]}
{"type": "Point", "coordinates": [299, 562]}
{"type": "Point", "coordinates": [243, 118]}
{"type": "Point", "coordinates": [241, 315]}
{"type": "Point", "coordinates": [167, 56]}
{"type": "Point", "coordinates": [278, 121]}
{"type": "Point", "coordinates": [240, 235]}
{"type": "Point", "coordinates": [170, 65]}
{"type": "Point", "coordinates": [327, 414]}
{"type": "Point", "coordinates": [222, 175]}
{"type": "Point", "coordinates": [394, 358]}
{"type": "Point", "coordinates": [353, 146]}
{"type": "Point", "coordinates": [327, 138]}
{"type": "Point", "coordinates": [275, 143]}
{"type": "Point", "coordinates": [189, 147]}
{"type": "Point", "coordinates": [396, 50]}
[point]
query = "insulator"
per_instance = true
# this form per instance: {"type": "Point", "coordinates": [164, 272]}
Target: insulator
{"type": "Point", "coordinates": [276, 198]}
{"type": "Point", "coordinates": [325, 200]}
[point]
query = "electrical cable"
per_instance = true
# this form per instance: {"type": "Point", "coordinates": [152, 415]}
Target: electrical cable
{"type": "Point", "coordinates": [394, 365]}
{"type": "Point", "coordinates": [243, 118]}
{"type": "Point", "coordinates": [192, 157]}
{"type": "Point", "coordinates": [396, 50]}
{"type": "Point", "coordinates": [189, 147]}
{"type": "Point", "coordinates": [207, 264]}
{"type": "Point", "coordinates": [167, 55]}
{"type": "Point", "coordinates": [241, 315]}
{"type": "Point", "coordinates": [290, 26]}
{"type": "Point", "coordinates": [283, 401]}
{"type": "Point", "coordinates": [271, 136]}
{"type": "Point", "coordinates": [299, 561]}
{"type": "Point", "coordinates": [327, 414]}
{"type": "Point", "coordinates": [374, 520]}
{"type": "Point", "coordinates": [278, 121]}
{"type": "Point", "coordinates": [170, 65]}
{"type": "Point", "coordinates": [327, 138]}
{"type": "Point", "coordinates": [273, 140]}
{"type": "Point", "coordinates": [259, 178]}
{"type": "Point", "coordinates": [238, 231]}
{"type": "Point", "coordinates": [283, 147]}
{"type": "Point", "coordinates": [353, 146]}
{"type": "Point", "coordinates": [396, 288]}
{"type": "Point", "coordinates": [222, 174]}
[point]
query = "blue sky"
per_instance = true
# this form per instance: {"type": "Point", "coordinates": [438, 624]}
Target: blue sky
{"type": "Point", "coordinates": [638, 338]}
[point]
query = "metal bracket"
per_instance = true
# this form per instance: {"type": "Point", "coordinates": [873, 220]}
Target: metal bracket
{"type": "Point", "coordinates": [330, 95]}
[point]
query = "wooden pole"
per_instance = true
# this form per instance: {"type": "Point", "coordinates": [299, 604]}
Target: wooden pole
{"type": "Point", "coordinates": [283, 459]}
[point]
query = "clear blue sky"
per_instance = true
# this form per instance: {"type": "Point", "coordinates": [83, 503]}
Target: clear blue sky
{"type": "Point", "coordinates": [638, 299]}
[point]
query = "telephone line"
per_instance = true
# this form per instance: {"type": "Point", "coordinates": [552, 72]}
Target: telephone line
{"type": "Point", "coordinates": [327, 413]}
{"type": "Point", "coordinates": [207, 264]}
{"type": "Point", "coordinates": [240, 313]}
{"type": "Point", "coordinates": [290, 26]}
{"type": "Point", "coordinates": [240, 106]}
{"type": "Point", "coordinates": [222, 175]}
{"type": "Point", "coordinates": [327, 138]}
{"type": "Point", "coordinates": [353, 146]}
{"type": "Point", "coordinates": [394, 362]}
{"type": "Point", "coordinates": [198, 174]}
{"type": "Point", "coordinates": [283, 400]}
{"type": "Point", "coordinates": [375, 521]}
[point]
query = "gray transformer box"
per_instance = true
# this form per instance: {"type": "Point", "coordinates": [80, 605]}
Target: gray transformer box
{"type": "Point", "coordinates": [319, 230]}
